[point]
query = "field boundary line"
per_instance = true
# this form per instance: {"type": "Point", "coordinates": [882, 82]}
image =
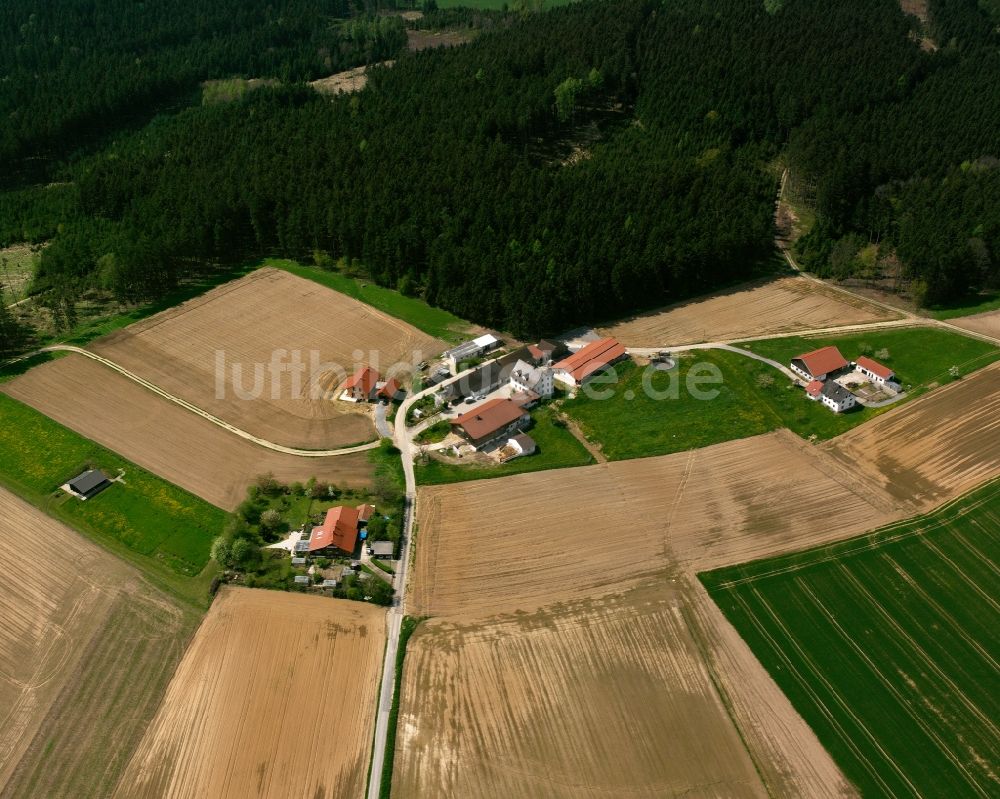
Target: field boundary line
{"type": "Point", "coordinates": [820, 704]}
{"type": "Point", "coordinates": [961, 574]}
{"type": "Point", "coordinates": [302, 453]}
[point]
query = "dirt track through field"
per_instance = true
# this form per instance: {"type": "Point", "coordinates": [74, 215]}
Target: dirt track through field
{"type": "Point", "coordinates": [275, 697]}
{"type": "Point", "coordinates": [83, 637]}
{"type": "Point", "coordinates": [163, 437]}
{"type": "Point", "coordinates": [270, 314]}
{"type": "Point", "coordinates": [766, 307]}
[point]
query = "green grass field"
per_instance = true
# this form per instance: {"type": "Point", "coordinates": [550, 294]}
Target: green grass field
{"type": "Point", "coordinates": [154, 524]}
{"type": "Point", "coordinates": [557, 449]}
{"type": "Point", "coordinates": [755, 398]}
{"type": "Point", "coordinates": [433, 321]}
{"type": "Point", "coordinates": [634, 424]}
{"type": "Point", "coordinates": [919, 355]}
{"type": "Point", "coordinates": [889, 646]}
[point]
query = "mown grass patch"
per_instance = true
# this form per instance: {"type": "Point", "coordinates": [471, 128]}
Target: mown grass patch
{"type": "Point", "coordinates": [159, 527]}
{"type": "Point", "coordinates": [433, 321]}
{"type": "Point", "coordinates": [887, 645]}
{"type": "Point", "coordinates": [557, 449]}
{"type": "Point", "coordinates": [653, 412]}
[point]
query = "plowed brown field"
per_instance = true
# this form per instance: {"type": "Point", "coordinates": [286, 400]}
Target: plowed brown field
{"type": "Point", "coordinates": [930, 451]}
{"type": "Point", "coordinates": [246, 322]}
{"type": "Point", "coordinates": [611, 525]}
{"type": "Point", "coordinates": [83, 638]}
{"type": "Point", "coordinates": [275, 697]}
{"type": "Point", "coordinates": [986, 323]}
{"type": "Point", "coordinates": [585, 700]}
{"type": "Point", "coordinates": [783, 305]}
{"type": "Point", "coordinates": [170, 441]}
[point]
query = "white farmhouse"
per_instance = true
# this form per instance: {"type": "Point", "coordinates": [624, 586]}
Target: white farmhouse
{"type": "Point", "coordinates": [531, 379]}
{"type": "Point", "coordinates": [879, 375]}
{"type": "Point", "coordinates": [837, 398]}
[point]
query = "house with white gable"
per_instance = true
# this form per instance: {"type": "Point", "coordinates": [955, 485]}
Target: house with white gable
{"type": "Point", "coordinates": [525, 378]}
{"type": "Point", "coordinates": [879, 375]}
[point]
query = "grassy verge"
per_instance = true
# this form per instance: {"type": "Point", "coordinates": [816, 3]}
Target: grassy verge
{"type": "Point", "coordinates": [557, 449]}
{"type": "Point", "coordinates": [633, 422]}
{"type": "Point", "coordinates": [433, 321]}
{"type": "Point", "coordinates": [383, 566]}
{"type": "Point", "coordinates": [410, 623]}
{"type": "Point", "coordinates": [974, 305]}
{"type": "Point", "coordinates": [881, 642]}
{"type": "Point", "coordinates": [162, 529]}
{"type": "Point", "coordinates": [436, 432]}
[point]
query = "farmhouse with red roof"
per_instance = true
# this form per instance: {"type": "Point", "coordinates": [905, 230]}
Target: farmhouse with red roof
{"type": "Point", "coordinates": [819, 364]}
{"type": "Point", "coordinates": [584, 363]}
{"type": "Point", "coordinates": [360, 387]}
{"type": "Point", "coordinates": [339, 531]}
{"type": "Point", "coordinates": [490, 421]}
{"type": "Point", "coordinates": [876, 372]}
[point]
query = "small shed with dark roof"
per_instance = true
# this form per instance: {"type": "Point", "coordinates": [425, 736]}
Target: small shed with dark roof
{"type": "Point", "coordinates": [87, 484]}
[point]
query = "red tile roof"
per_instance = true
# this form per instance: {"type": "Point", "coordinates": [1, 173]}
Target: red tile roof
{"type": "Point", "coordinates": [365, 379]}
{"type": "Point", "coordinates": [592, 358]}
{"type": "Point", "coordinates": [390, 389]}
{"type": "Point", "coordinates": [488, 418]}
{"type": "Point", "coordinates": [339, 529]}
{"type": "Point", "coordinates": [822, 361]}
{"type": "Point", "coordinates": [365, 512]}
{"type": "Point", "coordinates": [814, 388]}
{"type": "Point", "coordinates": [536, 352]}
{"type": "Point", "coordinates": [875, 367]}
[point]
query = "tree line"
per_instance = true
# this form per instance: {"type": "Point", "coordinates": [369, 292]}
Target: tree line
{"type": "Point", "coordinates": [474, 177]}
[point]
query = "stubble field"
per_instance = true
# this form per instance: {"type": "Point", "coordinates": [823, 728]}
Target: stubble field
{"type": "Point", "coordinates": [601, 528]}
{"type": "Point", "coordinates": [275, 697]}
{"type": "Point", "coordinates": [931, 450]}
{"type": "Point", "coordinates": [245, 323]}
{"type": "Point", "coordinates": [582, 700]}
{"type": "Point", "coordinates": [767, 307]}
{"type": "Point", "coordinates": [86, 650]}
{"type": "Point", "coordinates": [170, 441]}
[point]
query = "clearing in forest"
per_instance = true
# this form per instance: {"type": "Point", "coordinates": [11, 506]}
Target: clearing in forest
{"type": "Point", "coordinates": [887, 644]}
{"type": "Point", "coordinates": [761, 308]}
{"type": "Point", "coordinates": [220, 347]}
{"type": "Point", "coordinates": [275, 697]}
{"type": "Point", "coordinates": [83, 637]}
{"type": "Point", "coordinates": [163, 437]}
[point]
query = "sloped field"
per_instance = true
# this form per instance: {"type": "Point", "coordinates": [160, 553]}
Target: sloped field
{"type": "Point", "coordinates": [888, 645]}
{"type": "Point", "coordinates": [170, 441]}
{"type": "Point", "coordinates": [86, 649]}
{"type": "Point", "coordinates": [190, 351]}
{"type": "Point", "coordinates": [275, 697]}
{"type": "Point", "coordinates": [767, 307]}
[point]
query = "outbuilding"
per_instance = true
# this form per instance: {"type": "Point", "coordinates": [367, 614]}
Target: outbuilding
{"type": "Point", "coordinates": [487, 422]}
{"type": "Point", "coordinates": [588, 361]}
{"type": "Point", "coordinates": [819, 364]}
{"type": "Point", "coordinates": [87, 484]}
{"type": "Point", "coordinates": [876, 372]}
{"type": "Point", "coordinates": [382, 549]}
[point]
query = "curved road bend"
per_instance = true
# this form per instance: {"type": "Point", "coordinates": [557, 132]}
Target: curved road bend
{"type": "Point", "coordinates": [303, 453]}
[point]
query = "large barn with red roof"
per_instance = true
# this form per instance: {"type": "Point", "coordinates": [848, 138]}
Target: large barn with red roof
{"type": "Point", "coordinates": [588, 361]}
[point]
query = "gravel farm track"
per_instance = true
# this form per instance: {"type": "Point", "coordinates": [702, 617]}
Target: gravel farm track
{"type": "Point", "coordinates": [77, 629]}
{"type": "Point", "coordinates": [275, 697]}
{"type": "Point", "coordinates": [165, 438]}
{"type": "Point", "coordinates": [269, 314]}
